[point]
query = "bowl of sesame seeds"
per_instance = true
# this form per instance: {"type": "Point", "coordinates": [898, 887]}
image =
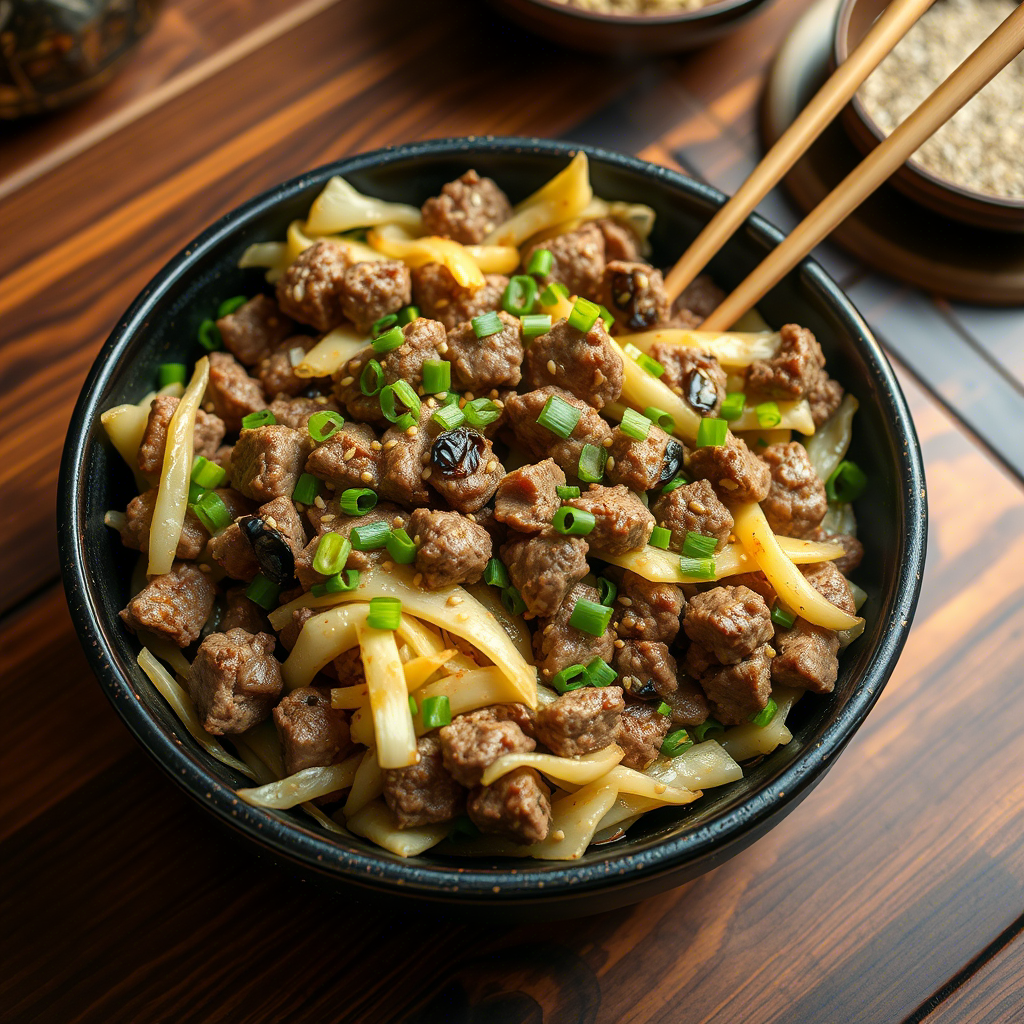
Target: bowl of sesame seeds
{"type": "Point", "coordinates": [971, 169]}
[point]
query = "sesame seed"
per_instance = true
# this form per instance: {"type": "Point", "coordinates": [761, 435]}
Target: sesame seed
{"type": "Point", "coordinates": [417, 540]}
{"type": "Point", "coordinates": [387, 565]}
{"type": "Point", "coordinates": [696, 507]}
{"type": "Point", "coordinates": [610, 464]}
{"type": "Point", "coordinates": [606, 443]}
{"type": "Point", "coordinates": [552, 368]}
{"type": "Point", "coordinates": [454, 601]}
{"type": "Point", "coordinates": [642, 280]}
{"type": "Point", "coordinates": [417, 579]}
{"type": "Point", "coordinates": [397, 522]}
{"type": "Point", "coordinates": [493, 394]}
{"type": "Point", "coordinates": [329, 518]}
{"type": "Point", "coordinates": [366, 476]}
{"type": "Point", "coordinates": [599, 377]}
{"type": "Point", "coordinates": [388, 445]}
{"type": "Point", "coordinates": [331, 485]}
{"type": "Point", "coordinates": [349, 455]}
{"type": "Point", "coordinates": [320, 399]}
{"type": "Point", "coordinates": [619, 644]}
{"type": "Point", "coordinates": [203, 567]}
{"type": "Point", "coordinates": [443, 347]}
{"type": "Point", "coordinates": [677, 390]}
{"type": "Point", "coordinates": [471, 517]}
{"type": "Point", "coordinates": [558, 835]}
{"type": "Point", "coordinates": [355, 364]}
{"type": "Point", "coordinates": [469, 397]}
{"type": "Point", "coordinates": [299, 291]}
{"type": "Point", "coordinates": [627, 601]}
{"type": "Point", "coordinates": [729, 485]}
{"type": "Point", "coordinates": [425, 475]}
{"type": "Point", "coordinates": [412, 431]}
{"type": "Point", "coordinates": [271, 522]}
{"type": "Point", "coordinates": [490, 467]}
{"type": "Point", "coordinates": [375, 446]}
{"type": "Point", "coordinates": [319, 502]}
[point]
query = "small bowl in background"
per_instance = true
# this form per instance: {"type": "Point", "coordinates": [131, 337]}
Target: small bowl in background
{"type": "Point", "coordinates": [979, 209]}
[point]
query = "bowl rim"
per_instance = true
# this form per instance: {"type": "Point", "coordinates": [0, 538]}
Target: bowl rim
{"type": "Point", "coordinates": [520, 882]}
{"type": "Point", "coordinates": [840, 51]}
{"type": "Point", "coordinates": [639, 20]}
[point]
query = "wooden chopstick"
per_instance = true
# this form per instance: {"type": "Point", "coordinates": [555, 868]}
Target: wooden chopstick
{"type": "Point", "coordinates": [969, 78]}
{"type": "Point", "coordinates": [886, 32]}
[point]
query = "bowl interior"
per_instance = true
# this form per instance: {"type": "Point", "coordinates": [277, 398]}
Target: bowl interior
{"type": "Point", "coordinates": [161, 327]}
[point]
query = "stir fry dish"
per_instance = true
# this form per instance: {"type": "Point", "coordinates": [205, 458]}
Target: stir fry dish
{"type": "Point", "coordinates": [459, 532]}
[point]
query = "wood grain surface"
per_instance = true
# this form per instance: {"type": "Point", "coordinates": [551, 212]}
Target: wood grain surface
{"type": "Point", "coordinates": [894, 893]}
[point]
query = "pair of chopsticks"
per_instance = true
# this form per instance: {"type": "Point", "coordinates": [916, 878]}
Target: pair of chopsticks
{"type": "Point", "coordinates": [968, 79]}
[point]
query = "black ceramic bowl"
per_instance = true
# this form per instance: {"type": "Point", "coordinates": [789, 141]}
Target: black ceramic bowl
{"type": "Point", "coordinates": [664, 848]}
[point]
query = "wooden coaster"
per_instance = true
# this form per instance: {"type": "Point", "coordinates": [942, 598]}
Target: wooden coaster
{"type": "Point", "coordinates": [888, 232]}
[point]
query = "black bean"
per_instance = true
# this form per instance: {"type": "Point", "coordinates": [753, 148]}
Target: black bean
{"type": "Point", "coordinates": [456, 453]}
{"type": "Point", "coordinates": [672, 462]}
{"type": "Point", "coordinates": [272, 551]}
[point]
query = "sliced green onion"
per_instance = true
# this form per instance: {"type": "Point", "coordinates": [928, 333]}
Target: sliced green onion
{"type": "Point", "coordinates": [565, 492]}
{"type": "Point", "coordinates": [212, 511]}
{"type": "Point", "coordinates": [733, 405]}
{"type": "Point", "coordinates": [357, 501]}
{"type": "Point", "coordinates": [847, 482]}
{"type": "Point", "coordinates": [405, 421]}
{"type": "Point", "coordinates": [643, 360]}
{"type": "Point", "coordinates": [407, 314]}
{"type": "Point", "coordinates": [209, 336]}
{"type": "Point", "coordinates": [607, 590]}
{"type": "Point", "coordinates": [171, 373]}
{"type": "Point", "coordinates": [535, 324]}
{"type": "Point", "coordinates": [711, 432]}
{"type": "Point", "coordinates": [414, 708]}
{"type": "Point", "coordinates": [347, 579]}
{"type": "Point", "coordinates": [590, 617]}
{"type": "Point", "coordinates": [486, 324]}
{"type": "Point", "coordinates": [228, 306]}
{"type": "Point", "coordinates": [452, 398]}
{"type": "Point", "coordinates": [495, 574]}
{"type": "Point", "coordinates": [606, 317]}
{"type": "Point", "coordinates": [675, 743]}
{"type": "Point", "coordinates": [660, 418]}
{"type": "Point", "coordinates": [540, 263]}
{"type": "Point", "coordinates": [307, 487]}
{"type": "Point", "coordinates": [765, 715]}
{"type": "Point", "coordinates": [370, 536]}
{"type": "Point", "coordinates": [437, 376]}
{"type": "Point", "coordinates": [554, 291]}
{"type": "Point", "coordinates": [513, 601]}
{"type": "Point", "coordinates": [207, 474]}
{"type": "Point", "coordinates": [584, 315]}
{"type": "Point", "coordinates": [263, 592]}
{"type": "Point", "coordinates": [660, 538]}
{"type": "Point", "coordinates": [448, 417]}
{"type": "Point", "coordinates": [324, 425]}
{"type": "Point", "coordinates": [574, 521]}
{"type": "Point", "coordinates": [263, 418]}
{"type": "Point", "coordinates": [768, 415]}
{"type": "Point", "coordinates": [520, 295]}
{"type": "Point", "coordinates": [574, 677]}
{"type": "Point", "coordinates": [400, 391]}
{"type": "Point", "coordinates": [385, 613]}
{"type": "Point", "coordinates": [436, 712]}
{"type": "Point", "coordinates": [663, 709]}
{"type": "Point", "coordinates": [383, 325]}
{"type": "Point", "coordinates": [371, 380]}
{"type": "Point", "coordinates": [401, 547]}
{"type": "Point", "coordinates": [635, 425]}
{"type": "Point", "coordinates": [783, 617]}
{"type": "Point", "coordinates": [601, 673]}
{"type": "Point", "coordinates": [480, 412]}
{"type": "Point", "coordinates": [677, 481]}
{"type": "Point", "coordinates": [331, 554]}
{"type": "Point", "coordinates": [697, 568]}
{"type": "Point", "coordinates": [389, 340]}
{"type": "Point", "coordinates": [696, 545]}
{"type": "Point", "coordinates": [592, 463]}
{"type": "Point", "coordinates": [706, 728]}
{"type": "Point", "coordinates": [195, 492]}
{"type": "Point", "coordinates": [559, 416]}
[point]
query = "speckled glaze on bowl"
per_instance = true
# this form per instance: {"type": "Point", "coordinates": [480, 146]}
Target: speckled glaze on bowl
{"type": "Point", "coordinates": [665, 848]}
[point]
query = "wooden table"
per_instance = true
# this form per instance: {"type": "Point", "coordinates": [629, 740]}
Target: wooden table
{"type": "Point", "coordinates": [894, 893]}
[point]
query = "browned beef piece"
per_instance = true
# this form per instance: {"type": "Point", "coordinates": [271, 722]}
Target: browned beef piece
{"type": "Point", "coordinates": [331, 519]}
{"type": "Point", "coordinates": [581, 721]}
{"type": "Point", "coordinates": [359, 407]}
{"type": "Point", "coordinates": [688, 704]}
{"type": "Point", "coordinates": [233, 552]}
{"type": "Point", "coordinates": [557, 645]}
{"type": "Point", "coordinates": [295, 412]}
{"type": "Point", "coordinates": [173, 606]}
{"type": "Point", "coordinates": [424, 339]}
{"type": "Point", "coordinates": [232, 391]}
{"type": "Point", "coordinates": [223, 456]}
{"type": "Point", "coordinates": [255, 330]}
{"type": "Point", "coordinates": [693, 508]}
{"type": "Point", "coordinates": [311, 289]}
{"type": "Point", "coordinates": [312, 733]}
{"type": "Point", "coordinates": [467, 210]}
{"type": "Point", "coordinates": [620, 240]}
{"type": "Point", "coordinates": [449, 548]}
{"type": "Point", "coordinates": [374, 289]}
{"type": "Point", "coordinates": [634, 293]}
{"type": "Point", "coordinates": [276, 371]}
{"type": "Point", "coordinates": [281, 515]}
{"type": "Point", "coordinates": [241, 613]}
{"type": "Point", "coordinates": [643, 465]}
{"type": "Point", "coordinates": [641, 733]}
{"type": "Point", "coordinates": [464, 469]}
{"type": "Point", "coordinates": [480, 364]}
{"type": "Point", "coordinates": [544, 568]}
{"type": "Point", "coordinates": [847, 562]}
{"type": "Point", "coordinates": [516, 806]}
{"type": "Point", "coordinates": [206, 437]}
{"type": "Point", "coordinates": [796, 502]}
{"type": "Point", "coordinates": [540, 443]}
{"type": "Point", "coordinates": [735, 691]}
{"type": "Point", "coordinates": [806, 656]}
{"type": "Point", "coordinates": [405, 458]}
{"type": "Point", "coordinates": [731, 622]}
{"type": "Point", "coordinates": [234, 681]}
{"type": "Point", "coordinates": [289, 634]}
{"type": "Point", "coordinates": [622, 521]}
{"type": "Point", "coordinates": [348, 667]}
{"type": "Point", "coordinates": [268, 461]}
{"type": "Point", "coordinates": [439, 297]}
{"type": "Point", "coordinates": [830, 582]}
{"type": "Point", "coordinates": [518, 713]}
{"type": "Point", "coordinates": [697, 301]}
{"type": "Point", "coordinates": [646, 610]}
{"type": "Point", "coordinates": [139, 518]}
{"type": "Point", "coordinates": [757, 582]}
{"type": "Point", "coordinates": [646, 669]}
{"type": "Point", "coordinates": [469, 745]}
{"type": "Point", "coordinates": [495, 528]}
{"type": "Point", "coordinates": [824, 398]}
{"type": "Point", "coordinates": [423, 793]}
{"type": "Point", "coordinates": [526, 499]}
{"type": "Point", "coordinates": [582, 363]}
{"type": "Point", "coordinates": [734, 471]}
{"type": "Point", "coordinates": [578, 259]}
{"type": "Point", "coordinates": [696, 377]}
{"type": "Point", "coordinates": [350, 458]}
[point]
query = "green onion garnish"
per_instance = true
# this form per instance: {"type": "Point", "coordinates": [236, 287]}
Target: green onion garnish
{"type": "Point", "coordinates": [590, 617]}
{"type": "Point", "coordinates": [677, 481]}
{"type": "Point", "coordinates": [414, 708]}
{"type": "Point", "coordinates": [385, 613]}
{"type": "Point", "coordinates": [306, 489]}
{"type": "Point", "coordinates": [765, 715]}
{"type": "Point", "coordinates": [513, 601]}
{"type": "Point", "coordinates": [559, 416]}
{"type": "Point", "coordinates": [554, 291]}
{"type": "Point", "coordinates": [663, 709]}
{"type": "Point", "coordinates": [407, 314]}
{"type": "Point", "coordinates": [660, 538]}
{"type": "Point", "coordinates": [437, 376]}
{"type": "Point", "coordinates": [675, 743]}
{"type": "Point", "coordinates": [448, 417]}
{"type": "Point", "coordinates": [324, 425]}
{"type": "Point", "coordinates": [711, 432]}
{"type": "Point", "coordinates": [643, 360]}
{"type": "Point", "coordinates": [389, 340]}
{"type": "Point", "coordinates": [535, 324]}
{"type": "Point", "coordinates": [520, 295]}
{"type": "Point", "coordinates": [768, 415]}
{"type": "Point", "coordinates": [707, 727]}
{"type": "Point", "coordinates": [405, 421]}
{"type": "Point", "coordinates": [207, 474]}
{"type": "Point", "coordinates": [209, 336]}
{"type": "Point", "coordinates": [212, 511]}
{"type": "Point", "coordinates": [371, 380]}
{"type": "Point", "coordinates": [847, 482]}
{"type": "Point", "coordinates": [783, 617]}
{"type": "Point", "coordinates": [660, 418]}
{"type": "Point", "coordinates": [383, 325]}
{"type": "Point", "coordinates": [573, 521]}
{"type": "Point", "coordinates": [370, 536]}
{"type": "Point", "coordinates": [635, 425]}
{"type": "Point", "coordinates": [436, 711]}
{"type": "Point", "coordinates": [347, 579]}
{"type": "Point", "coordinates": [263, 418]}
{"type": "Point", "coordinates": [486, 324]}
{"type": "Point", "coordinates": [495, 574]}
{"type": "Point", "coordinates": [574, 677]}
{"type": "Point", "coordinates": [592, 463]}
{"type": "Point", "coordinates": [228, 306]}
{"type": "Point", "coordinates": [401, 547]}
{"type": "Point", "coordinates": [195, 492]}
{"type": "Point", "coordinates": [480, 412]}
{"type": "Point", "coordinates": [357, 501]}
{"type": "Point", "coordinates": [697, 568]}
{"type": "Point", "coordinates": [584, 315]}
{"type": "Point", "coordinates": [263, 592]}
{"type": "Point", "coordinates": [540, 263]}
{"type": "Point", "coordinates": [601, 673]}
{"type": "Point", "coordinates": [331, 554]}
{"type": "Point", "coordinates": [733, 405]}
{"type": "Point", "coordinates": [696, 545]}
{"type": "Point", "coordinates": [606, 317]}
{"type": "Point", "coordinates": [565, 492]}
{"type": "Point", "coordinates": [171, 373]}
{"type": "Point", "coordinates": [607, 590]}
{"type": "Point", "coordinates": [400, 391]}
